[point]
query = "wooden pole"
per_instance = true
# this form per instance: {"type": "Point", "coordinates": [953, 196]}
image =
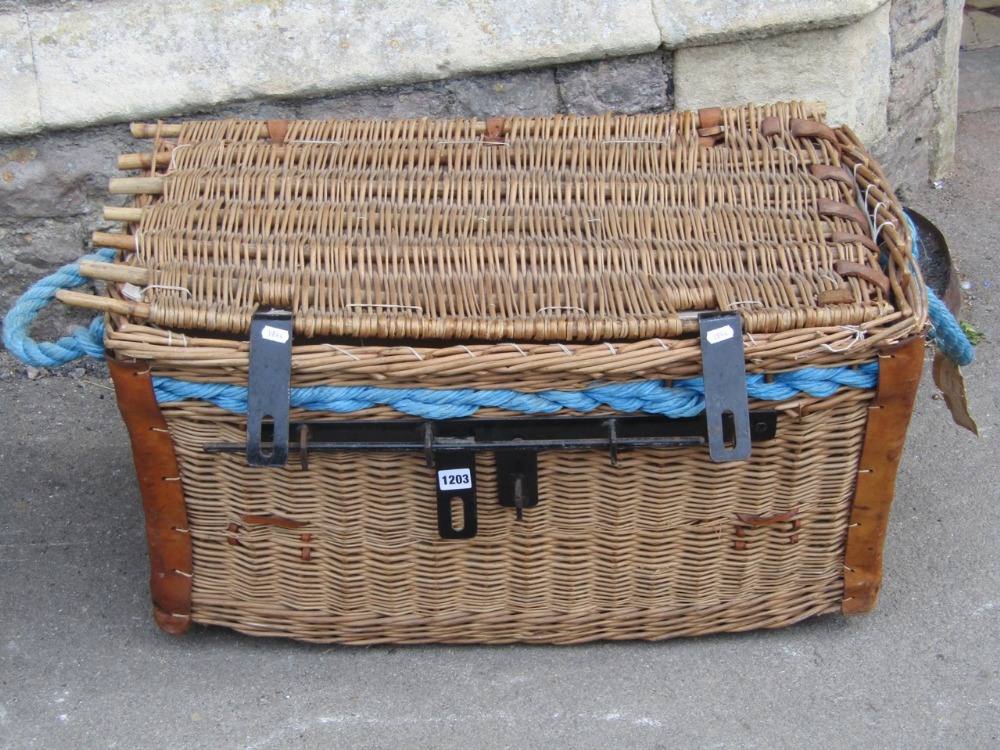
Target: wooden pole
{"type": "Point", "coordinates": [142, 161]}
{"type": "Point", "coordinates": [136, 186]}
{"type": "Point", "coordinates": [104, 304]}
{"type": "Point", "coordinates": [117, 241]}
{"type": "Point", "coordinates": [114, 272]}
{"type": "Point", "coordinates": [122, 213]}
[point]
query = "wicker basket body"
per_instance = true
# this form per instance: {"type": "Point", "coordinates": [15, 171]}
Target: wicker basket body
{"type": "Point", "coordinates": [536, 256]}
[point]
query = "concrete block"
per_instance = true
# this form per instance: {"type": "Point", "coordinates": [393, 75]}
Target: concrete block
{"type": "Point", "coordinates": [847, 67]}
{"type": "Point", "coordinates": [19, 109]}
{"type": "Point", "coordinates": [914, 22]}
{"type": "Point", "coordinates": [525, 93]}
{"type": "Point", "coordinates": [699, 22]}
{"type": "Point", "coordinates": [119, 60]}
{"type": "Point", "coordinates": [914, 79]}
{"type": "Point", "coordinates": [643, 83]}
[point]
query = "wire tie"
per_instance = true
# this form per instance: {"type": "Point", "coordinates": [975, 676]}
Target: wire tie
{"type": "Point", "coordinates": [662, 345]}
{"type": "Point", "coordinates": [565, 349]}
{"type": "Point", "coordinates": [519, 349]}
{"type": "Point", "coordinates": [611, 348]}
{"type": "Point", "coordinates": [467, 350]}
{"type": "Point", "coordinates": [343, 351]}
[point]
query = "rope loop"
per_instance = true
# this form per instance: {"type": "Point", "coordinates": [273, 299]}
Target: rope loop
{"type": "Point", "coordinates": [946, 332]}
{"type": "Point", "coordinates": [87, 341]}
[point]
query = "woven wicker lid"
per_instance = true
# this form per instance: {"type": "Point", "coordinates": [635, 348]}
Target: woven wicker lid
{"type": "Point", "coordinates": [536, 229]}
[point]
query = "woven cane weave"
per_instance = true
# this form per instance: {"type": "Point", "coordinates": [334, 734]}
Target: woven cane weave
{"type": "Point", "coordinates": [529, 255]}
{"type": "Point", "coordinates": [564, 229]}
{"type": "Point", "coordinates": [607, 553]}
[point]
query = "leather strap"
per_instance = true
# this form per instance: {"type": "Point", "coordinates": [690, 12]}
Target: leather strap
{"type": "Point", "coordinates": [869, 274]}
{"type": "Point", "coordinates": [840, 210]}
{"type": "Point", "coordinates": [831, 172]}
{"type": "Point", "coordinates": [162, 496]}
{"type": "Point", "coordinates": [811, 129]}
{"type": "Point", "coordinates": [849, 238]}
{"type": "Point", "coordinates": [888, 417]}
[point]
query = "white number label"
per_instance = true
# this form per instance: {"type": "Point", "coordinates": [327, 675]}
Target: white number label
{"type": "Point", "coordinates": [720, 334]}
{"type": "Point", "coordinates": [455, 479]}
{"type": "Point", "coordinates": [274, 334]}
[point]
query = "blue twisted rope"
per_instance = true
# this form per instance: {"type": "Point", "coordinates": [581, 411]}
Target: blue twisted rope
{"type": "Point", "coordinates": [686, 398]}
{"type": "Point", "coordinates": [83, 341]}
{"type": "Point", "coordinates": [945, 330]}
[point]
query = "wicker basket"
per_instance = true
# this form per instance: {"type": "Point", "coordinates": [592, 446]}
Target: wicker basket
{"type": "Point", "coordinates": [447, 283]}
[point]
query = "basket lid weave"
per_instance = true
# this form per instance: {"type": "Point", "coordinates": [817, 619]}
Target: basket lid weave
{"type": "Point", "coordinates": [537, 229]}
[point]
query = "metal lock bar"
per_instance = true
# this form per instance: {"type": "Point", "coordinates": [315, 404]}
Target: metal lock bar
{"type": "Point", "coordinates": [268, 386]}
{"type": "Point", "coordinates": [727, 408]}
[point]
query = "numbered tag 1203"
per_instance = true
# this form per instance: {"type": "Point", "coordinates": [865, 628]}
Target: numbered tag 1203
{"type": "Point", "coordinates": [454, 479]}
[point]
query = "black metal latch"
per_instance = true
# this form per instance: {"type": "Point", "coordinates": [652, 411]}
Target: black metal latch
{"type": "Point", "coordinates": [268, 387]}
{"type": "Point", "coordinates": [727, 409]}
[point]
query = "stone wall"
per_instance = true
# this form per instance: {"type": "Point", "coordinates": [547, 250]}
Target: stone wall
{"type": "Point", "coordinates": [887, 69]}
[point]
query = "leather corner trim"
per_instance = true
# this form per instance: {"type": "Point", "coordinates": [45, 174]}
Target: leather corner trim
{"type": "Point", "coordinates": [170, 557]}
{"type": "Point", "coordinates": [889, 414]}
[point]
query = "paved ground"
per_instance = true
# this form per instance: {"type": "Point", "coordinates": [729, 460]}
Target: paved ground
{"type": "Point", "coordinates": [82, 666]}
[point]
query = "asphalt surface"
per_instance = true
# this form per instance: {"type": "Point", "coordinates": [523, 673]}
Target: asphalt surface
{"type": "Point", "coordinates": [83, 666]}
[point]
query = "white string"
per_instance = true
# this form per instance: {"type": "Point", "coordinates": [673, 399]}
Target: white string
{"type": "Point", "coordinates": [467, 350]}
{"type": "Point", "coordinates": [859, 336]}
{"type": "Point", "coordinates": [543, 309]}
{"type": "Point", "coordinates": [386, 307]}
{"type": "Point", "coordinates": [344, 352]}
{"type": "Point", "coordinates": [511, 343]}
{"type": "Point", "coordinates": [613, 350]}
{"type": "Point", "coordinates": [168, 287]}
{"type": "Point", "coordinates": [630, 140]}
{"type": "Point", "coordinates": [565, 349]}
{"type": "Point", "coordinates": [664, 346]}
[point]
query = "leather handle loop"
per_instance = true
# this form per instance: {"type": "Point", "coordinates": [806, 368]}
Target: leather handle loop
{"type": "Point", "coordinates": [840, 210]}
{"type": "Point", "coordinates": [850, 238]}
{"type": "Point", "coordinates": [811, 129]}
{"type": "Point", "coordinates": [831, 172]}
{"type": "Point", "coordinates": [869, 274]}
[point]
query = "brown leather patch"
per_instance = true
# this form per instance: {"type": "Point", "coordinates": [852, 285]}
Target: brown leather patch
{"type": "Point", "coordinates": [834, 297]}
{"type": "Point", "coordinates": [710, 117]}
{"type": "Point", "coordinates": [156, 469]}
{"type": "Point", "coordinates": [495, 130]}
{"type": "Point", "coordinates": [284, 523]}
{"type": "Point", "coordinates": [277, 130]}
{"type": "Point", "coordinates": [770, 126]}
{"type": "Point", "coordinates": [888, 417]}
{"type": "Point", "coordinates": [751, 520]}
{"type": "Point", "coordinates": [869, 274]}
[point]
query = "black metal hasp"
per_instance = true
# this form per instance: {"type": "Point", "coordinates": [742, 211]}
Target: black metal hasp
{"type": "Point", "coordinates": [727, 409]}
{"type": "Point", "coordinates": [269, 387]}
